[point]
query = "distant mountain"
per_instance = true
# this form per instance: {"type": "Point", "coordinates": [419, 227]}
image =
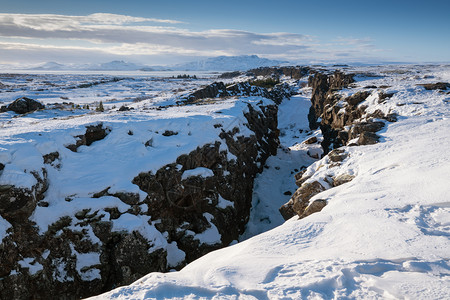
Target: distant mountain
{"type": "Point", "coordinates": [220, 63]}
{"type": "Point", "coordinates": [116, 65]}
{"type": "Point", "coordinates": [228, 63]}
{"type": "Point", "coordinates": [51, 66]}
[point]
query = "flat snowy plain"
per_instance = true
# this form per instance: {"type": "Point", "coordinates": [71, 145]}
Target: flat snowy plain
{"type": "Point", "coordinates": [384, 235]}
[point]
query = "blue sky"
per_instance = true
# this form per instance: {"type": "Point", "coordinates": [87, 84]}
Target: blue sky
{"type": "Point", "coordinates": [165, 32]}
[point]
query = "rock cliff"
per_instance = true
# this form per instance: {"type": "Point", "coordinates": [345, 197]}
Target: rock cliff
{"type": "Point", "coordinates": [197, 203]}
{"type": "Point", "coordinates": [343, 120]}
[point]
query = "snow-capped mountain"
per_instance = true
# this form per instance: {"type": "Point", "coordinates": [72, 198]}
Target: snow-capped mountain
{"type": "Point", "coordinates": [228, 63]}
{"type": "Point", "coordinates": [116, 65]}
{"type": "Point", "coordinates": [220, 63]}
{"type": "Point", "coordinates": [54, 66]}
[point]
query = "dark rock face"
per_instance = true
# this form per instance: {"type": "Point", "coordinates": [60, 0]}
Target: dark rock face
{"type": "Point", "coordinates": [300, 200]}
{"type": "Point", "coordinates": [229, 75]}
{"type": "Point", "coordinates": [181, 203]}
{"type": "Point", "coordinates": [341, 179]}
{"type": "Point", "coordinates": [214, 90]}
{"type": "Point", "coordinates": [357, 98]}
{"type": "Point", "coordinates": [218, 89]}
{"type": "Point", "coordinates": [335, 117]}
{"type": "Point", "coordinates": [93, 134]}
{"type": "Point", "coordinates": [293, 72]}
{"type": "Point", "coordinates": [340, 122]}
{"type": "Point", "coordinates": [24, 105]}
{"type": "Point", "coordinates": [49, 264]}
{"type": "Point", "coordinates": [50, 157]}
{"type": "Point", "coordinates": [311, 140]}
{"type": "Point", "coordinates": [314, 207]}
{"type": "Point", "coordinates": [368, 138]}
{"type": "Point", "coordinates": [18, 203]}
{"type": "Point", "coordinates": [124, 108]}
{"type": "Point", "coordinates": [436, 86]}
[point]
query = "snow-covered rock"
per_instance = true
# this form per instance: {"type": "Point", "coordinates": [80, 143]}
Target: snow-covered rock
{"type": "Point", "coordinates": [384, 234]}
{"type": "Point", "coordinates": [90, 200]}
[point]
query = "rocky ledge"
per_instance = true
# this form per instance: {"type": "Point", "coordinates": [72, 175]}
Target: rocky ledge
{"type": "Point", "coordinates": [343, 121]}
{"type": "Point", "coordinates": [197, 203]}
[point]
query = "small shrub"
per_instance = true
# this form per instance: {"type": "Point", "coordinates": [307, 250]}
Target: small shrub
{"type": "Point", "coordinates": [100, 107]}
{"type": "Point", "coordinates": [266, 83]}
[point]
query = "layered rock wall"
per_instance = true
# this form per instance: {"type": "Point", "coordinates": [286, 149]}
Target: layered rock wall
{"type": "Point", "coordinates": [196, 204]}
{"type": "Point", "coordinates": [343, 121]}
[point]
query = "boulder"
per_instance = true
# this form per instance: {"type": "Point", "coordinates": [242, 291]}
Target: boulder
{"type": "Point", "coordinates": [357, 98]}
{"type": "Point", "coordinates": [337, 155]}
{"type": "Point", "coordinates": [25, 105]}
{"type": "Point", "coordinates": [436, 86]}
{"type": "Point", "coordinates": [368, 138]}
{"type": "Point", "coordinates": [300, 199]}
{"type": "Point", "coordinates": [311, 140]}
{"type": "Point", "coordinates": [314, 207]}
{"type": "Point", "coordinates": [93, 133]}
{"type": "Point", "coordinates": [341, 179]}
{"type": "Point", "coordinates": [361, 127]}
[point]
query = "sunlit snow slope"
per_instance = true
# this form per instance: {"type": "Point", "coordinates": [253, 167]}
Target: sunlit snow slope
{"type": "Point", "coordinates": [384, 235]}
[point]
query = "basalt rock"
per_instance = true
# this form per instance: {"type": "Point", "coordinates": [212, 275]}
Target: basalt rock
{"type": "Point", "coordinates": [214, 90]}
{"type": "Point", "coordinates": [293, 72]}
{"type": "Point", "coordinates": [300, 200]}
{"type": "Point", "coordinates": [357, 98]}
{"type": "Point", "coordinates": [25, 105]}
{"type": "Point", "coordinates": [311, 140]}
{"type": "Point", "coordinates": [18, 203]}
{"type": "Point", "coordinates": [180, 203]}
{"type": "Point", "coordinates": [436, 86]}
{"type": "Point", "coordinates": [359, 128]}
{"type": "Point", "coordinates": [368, 138]}
{"type": "Point", "coordinates": [338, 113]}
{"type": "Point", "coordinates": [341, 120]}
{"type": "Point", "coordinates": [84, 253]}
{"type": "Point", "coordinates": [341, 179]}
{"type": "Point", "coordinates": [218, 90]}
{"type": "Point", "coordinates": [314, 207]}
{"type": "Point", "coordinates": [93, 134]}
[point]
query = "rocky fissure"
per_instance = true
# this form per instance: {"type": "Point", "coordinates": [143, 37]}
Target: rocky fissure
{"type": "Point", "coordinates": [85, 253]}
{"type": "Point", "coordinates": [343, 121]}
{"type": "Point", "coordinates": [220, 90]}
{"type": "Point", "coordinates": [199, 202]}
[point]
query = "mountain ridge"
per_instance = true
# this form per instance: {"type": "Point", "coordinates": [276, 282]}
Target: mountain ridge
{"type": "Point", "coordinates": [222, 63]}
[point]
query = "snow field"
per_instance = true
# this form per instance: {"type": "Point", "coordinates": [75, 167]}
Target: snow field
{"type": "Point", "coordinates": [384, 235]}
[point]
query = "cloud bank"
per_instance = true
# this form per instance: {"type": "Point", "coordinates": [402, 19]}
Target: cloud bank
{"type": "Point", "coordinates": [35, 37]}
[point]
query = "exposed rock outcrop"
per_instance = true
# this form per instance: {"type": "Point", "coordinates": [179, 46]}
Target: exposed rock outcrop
{"type": "Point", "coordinates": [296, 72]}
{"type": "Point", "coordinates": [186, 214]}
{"type": "Point", "coordinates": [218, 90]}
{"type": "Point", "coordinates": [214, 90]}
{"type": "Point", "coordinates": [93, 133]}
{"type": "Point", "coordinates": [341, 119]}
{"type": "Point", "coordinates": [322, 175]}
{"type": "Point", "coordinates": [24, 105]}
{"type": "Point", "coordinates": [436, 86]}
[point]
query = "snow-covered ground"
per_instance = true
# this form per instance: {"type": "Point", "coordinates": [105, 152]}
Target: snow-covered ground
{"type": "Point", "coordinates": [113, 90]}
{"type": "Point", "coordinates": [152, 133]}
{"type": "Point", "coordinates": [384, 235]}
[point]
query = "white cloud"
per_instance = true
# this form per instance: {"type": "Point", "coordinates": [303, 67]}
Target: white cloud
{"type": "Point", "coordinates": [121, 35]}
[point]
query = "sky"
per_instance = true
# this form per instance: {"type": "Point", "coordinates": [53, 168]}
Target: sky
{"type": "Point", "coordinates": [167, 32]}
